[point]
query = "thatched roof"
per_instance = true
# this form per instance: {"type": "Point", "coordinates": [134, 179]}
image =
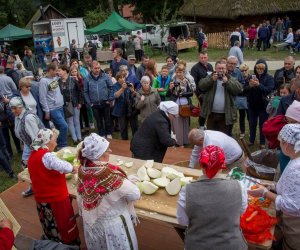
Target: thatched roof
{"type": "Point", "coordinates": [232, 9]}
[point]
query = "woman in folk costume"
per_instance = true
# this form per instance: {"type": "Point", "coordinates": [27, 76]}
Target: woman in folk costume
{"type": "Point", "coordinates": [105, 198]}
{"type": "Point", "coordinates": [47, 174]}
{"type": "Point", "coordinates": [286, 192]}
{"type": "Point", "coordinates": [211, 206]}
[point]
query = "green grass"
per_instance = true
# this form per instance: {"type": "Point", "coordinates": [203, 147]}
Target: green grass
{"type": "Point", "coordinates": [191, 55]}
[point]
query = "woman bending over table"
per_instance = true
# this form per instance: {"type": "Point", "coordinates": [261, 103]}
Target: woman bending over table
{"type": "Point", "coordinates": [105, 198]}
{"type": "Point", "coordinates": [211, 206]}
{"type": "Point", "coordinates": [47, 174]}
{"type": "Point", "coordinates": [286, 193]}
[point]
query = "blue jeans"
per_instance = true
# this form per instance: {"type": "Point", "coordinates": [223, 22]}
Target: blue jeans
{"type": "Point", "coordinates": [74, 124]}
{"type": "Point", "coordinates": [253, 115]}
{"type": "Point", "coordinates": [58, 118]}
{"type": "Point", "coordinates": [26, 152]}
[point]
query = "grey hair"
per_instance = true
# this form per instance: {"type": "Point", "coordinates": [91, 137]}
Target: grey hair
{"type": "Point", "coordinates": [237, 43]}
{"type": "Point", "coordinates": [232, 57]}
{"type": "Point", "coordinates": [145, 79]}
{"type": "Point", "coordinates": [195, 135]}
{"type": "Point", "coordinates": [123, 67]}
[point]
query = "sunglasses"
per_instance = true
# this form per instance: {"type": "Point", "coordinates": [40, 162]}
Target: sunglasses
{"type": "Point", "coordinates": [244, 70]}
{"type": "Point", "coordinates": [27, 87]}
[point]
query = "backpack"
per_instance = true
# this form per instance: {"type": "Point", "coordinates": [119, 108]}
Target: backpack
{"type": "Point", "coordinates": [271, 129]}
{"type": "Point", "coordinates": [201, 38]}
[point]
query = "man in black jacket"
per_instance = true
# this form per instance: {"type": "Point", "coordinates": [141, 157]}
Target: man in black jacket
{"type": "Point", "coordinates": [11, 72]}
{"type": "Point", "coordinates": [199, 71]}
{"type": "Point", "coordinates": [153, 138]}
{"type": "Point", "coordinates": [286, 73]}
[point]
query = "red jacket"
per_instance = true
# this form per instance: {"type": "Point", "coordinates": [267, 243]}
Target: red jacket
{"type": "Point", "coordinates": [252, 33]}
{"type": "Point", "coordinates": [47, 185]}
{"type": "Point", "coordinates": [6, 239]}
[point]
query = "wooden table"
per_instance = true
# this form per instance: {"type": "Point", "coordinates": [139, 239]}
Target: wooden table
{"type": "Point", "coordinates": [159, 206]}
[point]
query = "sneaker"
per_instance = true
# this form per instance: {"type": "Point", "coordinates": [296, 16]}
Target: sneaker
{"type": "Point", "coordinates": [108, 137]}
{"type": "Point", "coordinates": [28, 192]}
{"type": "Point", "coordinates": [250, 144]}
{"type": "Point", "coordinates": [242, 136]}
{"type": "Point", "coordinates": [92, 125]}
{"type": "Point", "coordinates": [262, 146]}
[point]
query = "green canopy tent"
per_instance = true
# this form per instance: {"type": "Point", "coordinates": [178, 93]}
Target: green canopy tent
{"type": "Point", "coordinates": [114, 24]}
{"type": "Point", "coordinates": [11, 33]}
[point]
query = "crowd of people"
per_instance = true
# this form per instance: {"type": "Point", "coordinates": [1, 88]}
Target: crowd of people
{"type": "Point", "coordinates": [266, 33]}
{"type": "Point", "coordinates": [157, 104]}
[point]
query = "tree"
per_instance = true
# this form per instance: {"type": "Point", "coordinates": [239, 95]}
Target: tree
{"type": "Point", "coordinates": [151, 8]}
{"type": "Point", "coordinates": [165, 18]}
{"type": "Point", "coordinates": [94, 17]}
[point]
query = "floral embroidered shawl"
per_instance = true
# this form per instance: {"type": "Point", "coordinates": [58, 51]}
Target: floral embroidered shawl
{"type": "Point", "coordinates": [97, 180]}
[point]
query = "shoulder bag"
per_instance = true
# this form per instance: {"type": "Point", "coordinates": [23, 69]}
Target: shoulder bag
{"type": "Point", "coordinates": [68, 106]}
{"type": "Point", "coordinates": [184, 110]}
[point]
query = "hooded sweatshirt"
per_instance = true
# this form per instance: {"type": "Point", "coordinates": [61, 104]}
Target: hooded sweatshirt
{"type": "Point", "coordinates": [257, 95]}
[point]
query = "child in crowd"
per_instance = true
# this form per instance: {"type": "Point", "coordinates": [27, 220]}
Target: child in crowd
{"type": "Point", "coordinates": [161, 82]}
{"type": "Point", "coordinates": [285, 90]}
{"type": "Point", "coordinates": [109, 72]}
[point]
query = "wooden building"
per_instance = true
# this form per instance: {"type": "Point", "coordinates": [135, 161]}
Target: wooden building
{"type": "Point", "coordinates": [46, 13]}
{"type": "Point", "coordinates": [217, 16]}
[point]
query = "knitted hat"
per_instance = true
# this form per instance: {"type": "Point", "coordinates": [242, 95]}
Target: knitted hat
{"type": "Point", "coordinates": [290, 133]}
{"type": "Point", "coordinates": [94, 147]}
{"type": "Point", "coordinates": [293, 111]}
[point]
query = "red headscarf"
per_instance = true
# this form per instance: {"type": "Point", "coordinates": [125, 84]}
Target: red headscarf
{"type": "Point", "coordinates": [212, 159]}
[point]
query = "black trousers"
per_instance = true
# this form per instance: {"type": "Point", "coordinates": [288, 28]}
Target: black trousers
{"type": "Point", "coordinates": [102, 117]}
{"type": "Point", "coordinates": [5, 131]}
{"type": "Point", "coordinates": [84, 117]}
{"type": "Point", "coordinates": [123, 121]}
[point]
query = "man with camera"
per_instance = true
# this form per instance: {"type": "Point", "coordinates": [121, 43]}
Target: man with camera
{"type": "Point", "coordinates": [286, 73]}
{"type": "Point", "coordinates": [218, 103]}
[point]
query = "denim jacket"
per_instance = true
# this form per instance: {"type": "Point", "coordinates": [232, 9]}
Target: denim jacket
{"type": "Point", "coordinates": [98, 90]}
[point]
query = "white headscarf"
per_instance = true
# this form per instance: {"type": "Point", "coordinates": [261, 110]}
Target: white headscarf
{"type": "Point", "coordinates": [16, 102]}
{"type": "Point", "coordinates": [290, 133]}
{"type": "Point", "coordinates": [43, 137]}
{"type": "Point", "coordinates": [94, 147]}
{"type": "Point", "coordinates": [169, 107]}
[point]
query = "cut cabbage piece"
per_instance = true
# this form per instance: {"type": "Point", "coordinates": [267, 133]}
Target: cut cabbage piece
{"type": "Point", "coordinates": [161, 182]}
{"type": "Point", "coordinates": [171, 173]}
{"type": "Point", "coordinates": [149, 164]}
{"type": "Point", "coordinates": [140, 186]}
{"type": "Point", "coordinates": [142, 174]}
{"type": "Point", "coordinates": [153, 173]}
{"type": "Point", "coordinates": [185, 180]}
{"type": "Point", "coordinates": [174, 187]}
{"type": "Point", "coordinates": [128, 164]}
{"type": "Point", "coordinates": [149, 188]}
{"type": "Point", "coordinates": [76, 163]}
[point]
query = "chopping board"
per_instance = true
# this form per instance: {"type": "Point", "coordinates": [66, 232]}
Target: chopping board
{"type": "Point", "coordinates": [159, 202]}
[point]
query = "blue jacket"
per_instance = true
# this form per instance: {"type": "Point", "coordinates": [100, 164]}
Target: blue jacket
{"type": "Point", "coordinates": [257, 95]}
{"type": "Point", "coordinates": [116, 65]}
{"type": "Point", "coordinates": [263, 32]}
{"type": "Point", "coordinates": [285, 102]}
{"type": "Point", "coordinates": [120, 108]}
{"type": "Point", "coordinates": [97, 90]}
{"type": "Point", "coordinates": [134, 80]}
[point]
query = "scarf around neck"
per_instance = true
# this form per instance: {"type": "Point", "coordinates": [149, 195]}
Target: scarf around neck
{"type": "Point", "coordinates": [97, 180]}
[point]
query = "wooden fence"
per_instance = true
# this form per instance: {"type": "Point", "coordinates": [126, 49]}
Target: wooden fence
{"type": "Point", "coordinates": [218, 40]}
